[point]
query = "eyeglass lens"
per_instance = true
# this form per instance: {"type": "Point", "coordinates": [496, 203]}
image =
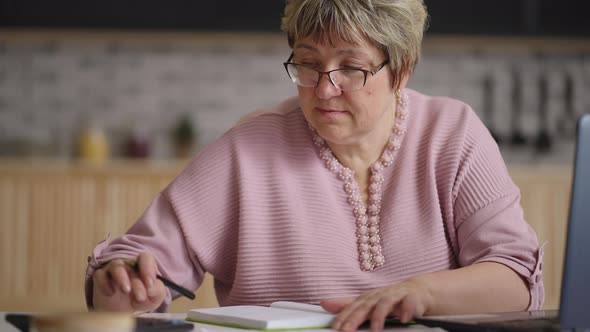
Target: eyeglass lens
{"type": "Point", "coordinates": [344, 79]}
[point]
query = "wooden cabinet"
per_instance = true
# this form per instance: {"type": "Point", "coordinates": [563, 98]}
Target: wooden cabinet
{"type": "Point", "coordinates": [51, 216]}
{"type": "Point", "coordinates": [53, 213]}
{"type": "Point", "coordinates": [545, 199]}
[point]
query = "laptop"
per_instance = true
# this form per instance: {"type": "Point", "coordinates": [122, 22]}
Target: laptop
{"type": "Point", "coordinates": [574, 312]}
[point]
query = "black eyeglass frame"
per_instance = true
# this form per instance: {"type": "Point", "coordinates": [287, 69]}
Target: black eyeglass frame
{"type": "Point", "coordinates": [373, 72]}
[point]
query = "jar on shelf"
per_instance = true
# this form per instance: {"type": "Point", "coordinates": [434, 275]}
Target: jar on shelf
{"type": "Point", "coordinates": [94, 145]}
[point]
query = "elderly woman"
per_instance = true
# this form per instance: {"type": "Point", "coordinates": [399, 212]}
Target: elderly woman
{"type": "Point", "coordinates": [360, 194]}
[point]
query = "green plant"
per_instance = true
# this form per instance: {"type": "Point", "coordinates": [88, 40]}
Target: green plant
{"type": "Point", "coordinates": [184, 133]}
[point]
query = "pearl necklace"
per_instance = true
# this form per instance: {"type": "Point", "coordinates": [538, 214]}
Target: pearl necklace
{"type": "Point", "coordinates": [367, 219]}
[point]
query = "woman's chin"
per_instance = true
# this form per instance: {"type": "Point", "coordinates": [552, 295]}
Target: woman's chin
{"type": "Point", "coordinates": [331, 135]}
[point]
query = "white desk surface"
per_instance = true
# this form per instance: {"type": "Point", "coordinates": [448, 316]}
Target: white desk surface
{"type": "Point", "coordinates": [200, 327]}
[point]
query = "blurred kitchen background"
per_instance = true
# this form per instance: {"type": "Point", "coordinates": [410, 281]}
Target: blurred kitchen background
{"type": "Point", "coordinates": [107, 81]}
{"type": "Point", "coordinates": [140, 71]}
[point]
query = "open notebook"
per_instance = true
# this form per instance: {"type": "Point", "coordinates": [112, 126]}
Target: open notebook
{"type": "Point", "coordinates": [278, 316]}
{"type": "Point", "coordinates": [575, 291]}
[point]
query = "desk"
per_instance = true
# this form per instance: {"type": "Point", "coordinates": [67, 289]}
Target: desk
{"type": "Point", "coordinates": [200, 327]}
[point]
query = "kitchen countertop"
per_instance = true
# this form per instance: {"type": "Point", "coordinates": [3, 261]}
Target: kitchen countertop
{"type": "Point", "coordinates": [51, 165]}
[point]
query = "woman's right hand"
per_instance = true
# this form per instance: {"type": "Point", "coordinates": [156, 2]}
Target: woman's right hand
{"type": "Point", "coordinates": [118, 287]}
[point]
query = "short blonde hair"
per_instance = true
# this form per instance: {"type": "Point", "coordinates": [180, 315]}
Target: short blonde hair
{"type": "Point", "coordinates": [395, 26]}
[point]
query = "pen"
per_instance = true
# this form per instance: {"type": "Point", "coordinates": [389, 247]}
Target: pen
{"type": "Point", "coordinates": [169, 284]}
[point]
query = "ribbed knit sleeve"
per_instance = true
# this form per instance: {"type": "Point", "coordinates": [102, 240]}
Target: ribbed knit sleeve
{"type": "Point", "coordinates": [488, 217]}
{"type": "Point", "coordinates": [158, 232]}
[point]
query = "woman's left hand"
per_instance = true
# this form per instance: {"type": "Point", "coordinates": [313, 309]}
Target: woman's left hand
{"type": "Point", "coordinates": [404, 300]}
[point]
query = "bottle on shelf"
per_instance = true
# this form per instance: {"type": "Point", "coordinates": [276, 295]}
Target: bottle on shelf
{"type": "Point", "coordinates": [138, 143]}
{"type": "Point", "coordinates": [94, 145]}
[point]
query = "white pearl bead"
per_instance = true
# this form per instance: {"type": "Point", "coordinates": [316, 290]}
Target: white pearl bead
{"type": "Point", "coordinates": [345, 173]}
{"type": "Point", "coordinates": [376, 167]}
{"type": "Point", "coordinates": [354, 199]}
{"type": "Point", "coordinates": [387, 156]}
{"type": "Point", "coordinates": [373, 208]}
{"type": "Point", "coordinates": [363, 230]}
{"type": "Point", "coordinates": [358, 212]}
{"type": "Point", "coordinates": [363, 219]}
{"type": "Point", "coordinates": [377, 178]}
{"type": "Point", "coordinates": [375, 198]}
{"type": "Point", "coordinates": [373, 188]}
{"type": "Point", "coordinates": [349, 188]}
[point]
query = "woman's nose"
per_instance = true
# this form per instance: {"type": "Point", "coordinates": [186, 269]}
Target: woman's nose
{"type": "Point", "coordinates": [325, 89]}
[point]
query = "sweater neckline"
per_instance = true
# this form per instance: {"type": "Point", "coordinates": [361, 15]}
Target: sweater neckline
{"type": "Point", "coordinates": [367, 218]}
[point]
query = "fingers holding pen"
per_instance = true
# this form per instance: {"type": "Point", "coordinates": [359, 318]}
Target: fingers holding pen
{"type": "Point", "coordinates": [122, 272]}
{"type": "Point", "coordinates": [138, 290]}
{"type": "Point", "coordinates": [119, 272]}
{"type": "Point", "coordinates": [127, 284]}
{"type": "Point", "coordinates": [147, 286]}
{"type": "Point", "coordinates": [148, 269]}
{"type": "Point", "coordinates": [125, 277]}
{"type": "Point", "coordinates": [148, 272]}
{"type": "Point", "coordinates": [157, 292]}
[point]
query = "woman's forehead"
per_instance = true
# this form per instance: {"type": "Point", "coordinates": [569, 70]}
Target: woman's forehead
{"type": "Point", "coordinates": [333, 38]}
{"type": "Point", "coordinates": [335, 45]}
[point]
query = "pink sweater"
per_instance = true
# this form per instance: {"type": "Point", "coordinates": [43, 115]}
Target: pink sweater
{"type": "Point", "coordinates": [259, 210]}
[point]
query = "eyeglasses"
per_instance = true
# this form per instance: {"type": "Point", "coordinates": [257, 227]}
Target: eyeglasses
{"type": "Point", "coordinates": [345, 79]}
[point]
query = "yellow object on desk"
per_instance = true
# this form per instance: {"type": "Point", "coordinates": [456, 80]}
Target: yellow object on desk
{"type": "Point", "coordinates": [94, 146]}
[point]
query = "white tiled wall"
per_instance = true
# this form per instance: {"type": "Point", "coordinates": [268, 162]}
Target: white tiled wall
{"type": "Point", "coordinates": [49, 93]}
{"type": "Point", "coordinates": [49, 89]}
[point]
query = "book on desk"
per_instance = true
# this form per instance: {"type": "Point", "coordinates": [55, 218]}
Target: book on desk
{"type": "Point", "coordinates": [278, 316]}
